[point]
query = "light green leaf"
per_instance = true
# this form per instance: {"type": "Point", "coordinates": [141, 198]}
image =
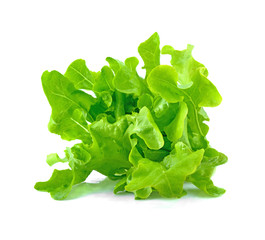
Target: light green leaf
{"type": "Point", "coordinates": [160, 107]}
{"type": "Point", "coordinates": [202, 177]}
{"type": "Point", "coordinates": [59, 185]}
{"type": "Point", "coordinates": [150, 52]}
{"type": "Point", "coordinates": [184, 64]}
{"type": "Point", "coordinates": [120, 186]}
{"type": "Point", "coordinates": [166, 115]}
{"type": "Point", "coordinates": [126, 80]}
{"type": "Point", "coordinates": [162, 80]}
{"type": "Point", "coordinates": [168, 176]}
{"type": "Point", "coordinates": [69, 107]}
{"type": "Point", "coordinates": [192, 76]}
{"type": "Point", "coordinates": [104, 82]}
{"type": "Point", "coordinates": [132, 63]}
{"type": "Point", "coordinates": [134, 155]}
{"type": "Point", "coordinates": [154, 155]}
{"type": "Point", "coordinates": [79, 75]}
{"type": "Point", "coordinates": [79, 159]}
{"type": "Point", "coordinates": [202, 93]}
{"type": "Point", "coordinates": [145, 100]}
{"type": "Point", "coordinates": [175, 129]}
{"type": "Point", "coordinates": [54, 158]}
{"type": "Point", "coordinates": [143, 193]}
{"type": "Point", "coordinates": [146, 128]}
{"type": "Point", "coordinates": [61, 181]}
{"type": "Point", "coordinates": [111, 146]}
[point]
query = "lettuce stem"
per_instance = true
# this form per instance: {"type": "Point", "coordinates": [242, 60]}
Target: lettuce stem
{"type": "Point", "coordinates": [119, 104]}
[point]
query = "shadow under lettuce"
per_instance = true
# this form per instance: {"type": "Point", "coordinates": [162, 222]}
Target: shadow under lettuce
{"type": "Point", "coordinates": [107, 186]}
{"type": "Point", "coordinates": [84, 189]}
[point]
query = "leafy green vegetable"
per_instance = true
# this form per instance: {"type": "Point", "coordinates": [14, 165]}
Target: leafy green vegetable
{"type": "Point", "coordinates": [149, 133]}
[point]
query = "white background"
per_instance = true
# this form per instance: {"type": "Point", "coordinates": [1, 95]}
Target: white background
{"type": "Point", "coordinates": [46, 35]}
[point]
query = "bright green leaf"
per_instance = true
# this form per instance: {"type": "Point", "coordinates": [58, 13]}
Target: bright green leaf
{"type": "Point", "coordinates": [145, 100]}
{"type": "Point", "coordinates": [168, 176]}
{"type": "Point", "coordinates": [59, 185]}
{"type": "Point", "coordinates": [69, 107]}
{"type": "Point", "coordinates": [175, 129]}
{"type": "Point", "coordinates": [147, 129]}
{"type": "Point", "coordinates": [162, 80]}
{"type": "Point", "coordinates": [150, 52]}
{"type": "Point", "coordinates": [79, 75]}
{"type": "Point", "coordinates": [202, 177]}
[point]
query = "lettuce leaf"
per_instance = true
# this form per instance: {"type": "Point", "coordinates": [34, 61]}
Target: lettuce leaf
{"type": "Point", "coordinates": [150, 52]}
{"type": "Point", "coordinates": [168, 176]}
{"type": "Point", "coordinates": [149, 133]}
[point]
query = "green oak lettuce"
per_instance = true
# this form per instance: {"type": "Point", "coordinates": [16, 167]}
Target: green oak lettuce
{"type": "Point", "coordinates": [147, 133]}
